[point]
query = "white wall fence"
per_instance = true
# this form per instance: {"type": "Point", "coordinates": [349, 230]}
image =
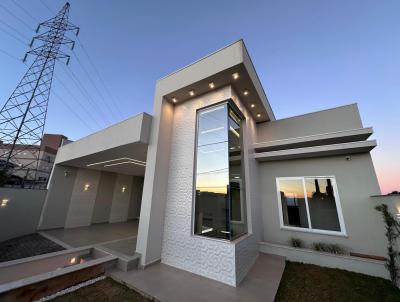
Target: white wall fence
{"type": "Point", "coordinates": [349, 263]}
{"type": "Point", "coordinates": [19, 211]}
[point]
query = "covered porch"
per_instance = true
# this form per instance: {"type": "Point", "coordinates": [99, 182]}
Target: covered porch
{"type": "Point", "coordinates": [95, 190]}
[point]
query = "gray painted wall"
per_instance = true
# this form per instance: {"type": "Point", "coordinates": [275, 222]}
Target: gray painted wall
{"type": "Point", "coordinates": [104, 197]}
{"type": "Point", "coordinates": [356, 182]}
{"type": "Point", "coordinates": [120, 201]}
{"type": "Point", "coordinates": [82, 202]}
{"type": "Point", "coordinates": [68, 205]}
{"type": "Point", "coordinates": [331, 120]}
{"type": "Point", "coordinates": [57, 202]}
{"type": "Point", "coordinates": [136, 197]}
{"type": "Point", "coordinates": [22, 213]}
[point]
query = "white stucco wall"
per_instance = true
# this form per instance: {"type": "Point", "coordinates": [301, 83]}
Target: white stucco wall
{"type": "Point", "coordinates": [215, 259]}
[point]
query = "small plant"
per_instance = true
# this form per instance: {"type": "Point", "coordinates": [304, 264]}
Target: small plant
{"type": "Point", "coordinates": [329, 248]}
{"type": "Point", "coordinates": [296, 242]}
{"type": "Point", "coordinates": [392, 233]}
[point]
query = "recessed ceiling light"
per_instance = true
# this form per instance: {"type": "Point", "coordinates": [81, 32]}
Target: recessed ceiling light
{"type": "Point", "coordinates": [235, 76]}
{"type": "Point", "coordinates": [191, 92]}
{"type": "Point", "coordinates": [211, 85]}
{"type": "Point", "coordinates": [252, 105]}
{"type": "Point", "coordinates": [259, 115]}
{"type": "Point", "coordinates": [174, 100]}
{"type": "Point", "coordinates": [245, 92]}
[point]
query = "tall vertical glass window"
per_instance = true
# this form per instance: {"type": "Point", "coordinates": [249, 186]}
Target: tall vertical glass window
{"type": "Point", "coordinates": [220, 209]}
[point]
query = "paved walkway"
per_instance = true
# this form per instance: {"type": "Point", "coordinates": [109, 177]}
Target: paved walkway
{"type": "Point", "coordinates": [167, 283]}
{"type": "Point", "coordinates": [94, 234]}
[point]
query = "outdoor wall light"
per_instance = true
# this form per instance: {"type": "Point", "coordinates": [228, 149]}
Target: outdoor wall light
{"type": "Point", "coordinates": [4, 202]}
{"type": "Point", "coordinates": [235, 76]}
{"type": "Point", "coordinates": [245, 92]}
{"type": "Point", "coordinates": [211, 85]}
{"type": "Point", "coordinates": [191, 92]}
{"type": "Point", "coordinates": [174, 100]}
{"type": "Point", "coordinates": [252, 105]}
{"type": "Point", "coordinates": [66, 173]}
{"type": "Point", "coordinates": [123, 189]}
{"type": "Point", "coordinates": [86, 187]}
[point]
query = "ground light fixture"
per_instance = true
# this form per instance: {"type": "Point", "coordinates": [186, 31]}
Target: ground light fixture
{"type": "Point", "coordinates": [4, 202]}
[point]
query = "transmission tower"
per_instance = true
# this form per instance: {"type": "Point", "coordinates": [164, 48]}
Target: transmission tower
{"type": "Point", "coordinates": [23, 116]}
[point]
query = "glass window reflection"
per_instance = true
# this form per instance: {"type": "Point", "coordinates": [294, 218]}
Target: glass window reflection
{"type": "Point", "coordinates": [219, 197]}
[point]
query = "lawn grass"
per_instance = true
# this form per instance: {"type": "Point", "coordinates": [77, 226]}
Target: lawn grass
{"type": "Point", "coordinates": [103, 291]}
{"type": "Point", "coordinates": [306, 282]}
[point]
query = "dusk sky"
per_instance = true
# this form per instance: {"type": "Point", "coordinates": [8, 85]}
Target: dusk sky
{"type": "Point", "coordinates": [309, 55]}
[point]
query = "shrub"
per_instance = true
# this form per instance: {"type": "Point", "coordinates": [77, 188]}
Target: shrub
{"type": "Point", "coordinates": [329, 248]}
{"type": "Point", "coordinates": [392, 233]}
{"type": "Point", "coordinates": [296, 242]}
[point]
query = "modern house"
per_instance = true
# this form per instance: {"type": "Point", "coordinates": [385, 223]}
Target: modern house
{"type": "Point", "coordinates": [215, 178]}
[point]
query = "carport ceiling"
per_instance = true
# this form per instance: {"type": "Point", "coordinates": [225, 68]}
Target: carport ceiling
{"type": "Point", "coordinates": [127, 159]}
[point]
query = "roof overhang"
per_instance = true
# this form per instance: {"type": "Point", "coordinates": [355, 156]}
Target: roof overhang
{"type": "Point", "coordinates": [121, 148]}
{"type": "Point", "coordinates": [218, 68]}
{"type": "Point", "coordinates": [317, 151]}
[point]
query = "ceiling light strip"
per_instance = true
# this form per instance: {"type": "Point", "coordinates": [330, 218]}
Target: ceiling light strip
{"type": "Point", "coordinates": [116, 159]}
{"type": "Point", "coordinates": [125, 162]}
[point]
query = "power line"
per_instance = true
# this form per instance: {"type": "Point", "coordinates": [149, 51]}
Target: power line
{"type": "Point", "coordinates": [111, 96]}
{"type": "Point", "coordinates": [16, 17]}
{"type": "Point", "coordinates": [13, 36]}
{"type": "Point", "coordinates": [25, 11]}
{"type": "Point", "coordinates": [94, 85]}
{"type": "Point", "coordinates": [15, 30]}
{"type": "Point", "coordinates": [77, 100]}
{"type": "Point", "coordinates": [72, 111]}
{"type": "Point", "coordinates": [10, 55]}
{"type": "Point", "coordinates": [85, 93]}
{"type": "Point", "coordinates": [46, 6]}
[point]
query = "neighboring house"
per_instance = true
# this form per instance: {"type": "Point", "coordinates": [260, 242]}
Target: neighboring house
{"type": "Point", "coordinates": [46, 153]}
{"type": "Point", "coordinates": [212, 174]}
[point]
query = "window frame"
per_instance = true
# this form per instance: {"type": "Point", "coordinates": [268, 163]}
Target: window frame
{"type": "Point", "coordinates": [230, 105]}
{"type": "Point", "coordinates": [309, 229]}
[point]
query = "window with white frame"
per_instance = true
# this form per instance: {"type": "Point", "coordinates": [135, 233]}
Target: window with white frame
{"type": "Point", "coordinates": [310, 204]}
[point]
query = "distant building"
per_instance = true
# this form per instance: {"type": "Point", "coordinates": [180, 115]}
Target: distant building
{"type": "Point", "coordinates": [47, 153]}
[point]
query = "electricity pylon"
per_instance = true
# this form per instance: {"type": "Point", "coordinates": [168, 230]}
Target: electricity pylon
{"type": "Point", "coordinates": [23, 116]}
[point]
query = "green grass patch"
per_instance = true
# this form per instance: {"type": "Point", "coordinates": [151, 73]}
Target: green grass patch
{"type": "Point", "coordinates": [306, 282]}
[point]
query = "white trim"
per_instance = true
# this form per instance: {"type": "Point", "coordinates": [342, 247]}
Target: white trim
{"type": "Point", "coordinates": [342, 232]}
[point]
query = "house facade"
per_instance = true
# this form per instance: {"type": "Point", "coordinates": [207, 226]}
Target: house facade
{"type": "Point", "coordinates": [214, 178]}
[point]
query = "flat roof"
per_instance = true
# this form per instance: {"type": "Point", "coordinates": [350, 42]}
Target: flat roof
{"type": "Point", "coordinates": [218, 68]}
